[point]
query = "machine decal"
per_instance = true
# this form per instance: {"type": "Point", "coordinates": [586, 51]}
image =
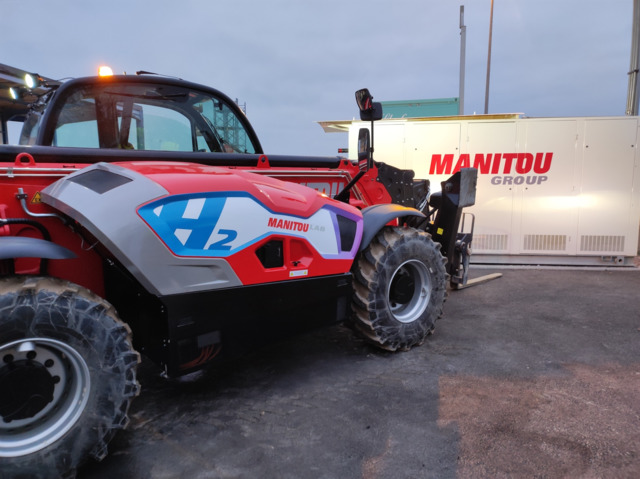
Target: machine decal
{"type": "Point", "coordinates": [288, 225]}
{"type": "Point", "coordinates": [298, 273]}
{"type": "Point", "coordinates": [221, 224]}
{"type": "Point", "coordinates": [328, 188]}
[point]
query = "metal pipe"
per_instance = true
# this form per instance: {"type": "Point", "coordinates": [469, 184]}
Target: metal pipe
{"type": "Point", "coordinates": [633, 93]}
{"type": "Point", "coordinates": [463, 46]}
{"type": "Point", "coordinates": [486, 92]}
{"type": "Point", "coordinates": [22, 198]}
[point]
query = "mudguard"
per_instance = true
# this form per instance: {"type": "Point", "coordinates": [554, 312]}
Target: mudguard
{"type": "Point", "coordinates": [376, 216]}
{"type": "Point", "coordinates": [23, 247]}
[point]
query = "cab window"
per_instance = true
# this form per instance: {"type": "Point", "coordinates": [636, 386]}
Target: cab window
{"type": "Point", "coordinates": [153, 117]}
{"type": "Point", "coordinates": [230, 131]}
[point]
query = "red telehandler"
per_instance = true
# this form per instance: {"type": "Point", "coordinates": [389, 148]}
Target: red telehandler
{"type": "Point", "coordinates": [140, 214]}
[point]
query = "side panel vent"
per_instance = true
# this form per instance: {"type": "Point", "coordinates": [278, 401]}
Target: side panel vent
{"type": "Point", "coordinates": [490, 242]}
{"type": "Point", "coordinates": [602, 243]}
{"type": "Point", "coordinates": [545, 242]}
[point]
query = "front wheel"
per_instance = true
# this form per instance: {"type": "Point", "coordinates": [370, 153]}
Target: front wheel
{"type": "Point", "coordinates": [399, 288]}
{"type": "Point", "coordinates": [67, 376]}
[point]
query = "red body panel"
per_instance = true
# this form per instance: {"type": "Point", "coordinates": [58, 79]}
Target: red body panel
{"type": "Point", "coordinates": [86, 268]}
{"type": "Point", "coordinates": [368, 191]}
{"type": "Point", "coordinates": [183, 178]}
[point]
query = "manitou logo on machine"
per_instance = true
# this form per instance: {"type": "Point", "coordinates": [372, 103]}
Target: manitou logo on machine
{"type": "Point", "coordinates": [506, 168]}
{"type": "Point", "coordinates": [287, 225]}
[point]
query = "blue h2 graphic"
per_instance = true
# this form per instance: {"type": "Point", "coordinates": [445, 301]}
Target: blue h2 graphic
{"type": "Point", "coordinates": [187, 225]}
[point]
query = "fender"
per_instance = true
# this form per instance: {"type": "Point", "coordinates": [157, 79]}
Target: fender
{"type": "Point", "coordinates": [376, 216]}
{"type": "Point", "coordinates": [24, 247]}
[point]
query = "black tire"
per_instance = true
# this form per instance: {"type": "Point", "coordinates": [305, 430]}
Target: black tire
{"type": "Point", "coordinates": [400, 285]}
{"type": "Point", "coordinates": [67, 376]}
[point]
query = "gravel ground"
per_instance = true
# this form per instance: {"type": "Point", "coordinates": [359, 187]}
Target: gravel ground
{"type": "Point", "coordinates": [535, 374]}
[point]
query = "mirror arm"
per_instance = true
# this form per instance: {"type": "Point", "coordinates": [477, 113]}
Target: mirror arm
{"type": "Point", "coordinates": [370, 162]}
{"type": "Point", "coordinates": [343, 195]}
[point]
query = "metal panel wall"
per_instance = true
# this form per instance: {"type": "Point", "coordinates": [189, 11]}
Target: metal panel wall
{"type": "Point", "coordinates": [551, 191]}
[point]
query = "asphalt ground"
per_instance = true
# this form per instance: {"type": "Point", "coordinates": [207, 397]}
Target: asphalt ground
{"type": "Point", "coordinates": [535, 374]}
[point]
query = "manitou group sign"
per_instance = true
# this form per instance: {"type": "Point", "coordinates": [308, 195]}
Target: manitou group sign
{"type": "Point", "coordinates": [550, 191]}
{"type": "Point", "coordinates": [500, 165]}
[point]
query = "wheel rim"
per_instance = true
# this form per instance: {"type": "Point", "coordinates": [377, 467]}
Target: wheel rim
{"type": "Point", "coordinates": [409, 291]}
{"type": "Point", "coordinates": [44, 387]}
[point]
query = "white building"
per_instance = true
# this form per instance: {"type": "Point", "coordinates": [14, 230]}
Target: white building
{"type": "Point", "coordinates": [550, 190]}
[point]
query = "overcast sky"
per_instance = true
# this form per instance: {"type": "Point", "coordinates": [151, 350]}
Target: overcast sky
{"type": "Point", "coordinates": [298, 62]}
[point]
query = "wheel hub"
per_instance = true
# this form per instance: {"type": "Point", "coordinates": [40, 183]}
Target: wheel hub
{"type": "Point", "coordinates": [44, 387]}
{"type": "Point", "coordinates": [26, 387]}
{"type": "Point", "coordinates": [402, 287]}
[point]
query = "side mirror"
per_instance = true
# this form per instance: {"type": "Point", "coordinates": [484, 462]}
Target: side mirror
{"type": "Point", "coordinates": [365, 161]}
{"type": "Point", "coordinates": [369, 110]}
{"type": "Point", "coordinates": [364, 99]}
{"type": "Point", "coordinates": [364, 149]}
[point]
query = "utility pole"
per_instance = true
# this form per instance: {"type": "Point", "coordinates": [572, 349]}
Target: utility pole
{"type": "Point", "coordinates": [633, 93]}
{"type": "Point", "coordinates": [463, 46]}
{"type": "Point", "coordinates": [486, 92]}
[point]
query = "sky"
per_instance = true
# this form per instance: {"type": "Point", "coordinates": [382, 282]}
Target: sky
{"type": "Point", "coordinates": [296, 62]}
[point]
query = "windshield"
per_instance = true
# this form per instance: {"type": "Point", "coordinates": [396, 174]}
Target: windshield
{"type": "Point", "coordinates": [144, 116]}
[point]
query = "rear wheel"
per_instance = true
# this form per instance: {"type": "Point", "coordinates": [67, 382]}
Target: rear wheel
{"type": "Point", "coordinates": [399, 288]}
{"type": "Point", "coordinates": [67, 376]}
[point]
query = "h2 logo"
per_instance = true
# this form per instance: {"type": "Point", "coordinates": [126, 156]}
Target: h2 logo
{"type": "Point", "coordinates": [188, 225]}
